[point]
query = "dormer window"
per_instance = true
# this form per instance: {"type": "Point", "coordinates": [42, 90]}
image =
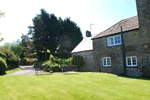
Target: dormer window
{"type": "Point", "coordinates": [114, 40]}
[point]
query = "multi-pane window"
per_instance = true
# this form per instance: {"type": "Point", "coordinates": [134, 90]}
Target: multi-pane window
{"type": "Point", "coordinates": [131, 61]}
{"type": "Point", "coordinates": [114, 40]}
{"type": "Point", "coordinates": [106, 61]}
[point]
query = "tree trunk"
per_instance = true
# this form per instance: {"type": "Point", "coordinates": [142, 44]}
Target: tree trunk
{"type": "Point", "coordinates": [45, 54]}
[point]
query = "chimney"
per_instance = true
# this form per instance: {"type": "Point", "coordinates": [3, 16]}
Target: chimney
{"type": "Point", "coordinates": [143, 9]}
{"type": "Point", "coordinates": [88, 34]}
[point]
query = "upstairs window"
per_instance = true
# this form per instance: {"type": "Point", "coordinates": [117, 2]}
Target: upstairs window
{"type": "Point", "coordinates": [131, 61]}
{"type": "Point", "coordinates": [106, 61]}
{"type": "Point", "coordinates": [114, 40]}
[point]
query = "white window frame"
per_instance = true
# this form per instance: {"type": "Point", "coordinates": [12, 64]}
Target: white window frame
{"type": "Point", "coordinates": [131, 61]}
{"type": "Point", "coordinates": [106, 61]}
{"type": "Point", "coordinates": [109, 44]}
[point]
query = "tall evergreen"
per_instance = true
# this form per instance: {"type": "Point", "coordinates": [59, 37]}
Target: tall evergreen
{"type": "Point", "coordinates": [52, 33]}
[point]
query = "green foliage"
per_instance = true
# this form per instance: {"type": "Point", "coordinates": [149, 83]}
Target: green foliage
{"type": "Point", "coordinates": [70, 38]}
{"type": "Point", "coordinates": [11, 59]}
{"type": "Point", "coordinates": [28, 47]}
{"type": "Point", "coordinates": [54, 59]}
{"type": "Point", "coordinates": [3, 55]}
{"type": "Point", "coordinates": [78, 61]}
{"type": "Point", "coordinates": [16, 47]}
{"type": "Point", "coordinates": [68, 61]}
{"type": "Point", "coordinates": [3, 66]}
{"type": "Point", "coordinates": [54, 34]}
{"type": "Point", "coordinates": [28, 61]}
{"type": "Point", "coordinates": [53, 63]}
{"type": "Point", "coordinates": [52, 66]}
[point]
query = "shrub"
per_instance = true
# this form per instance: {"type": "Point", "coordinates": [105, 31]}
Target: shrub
{"type": "Point", "coordinates": [3, 55]}
{"type": "Point", "coordinates": [78, 61]}
{"type": "Point", "coordinates": [54, 59]}
{"type": "Point", "coordinates": [56, 68]}
{"type": "Point", "coordinates": [3, 66]}
{"type": "Point", "coordinates": [53, 64]}
{"type": "Point", "coordinates": [28, 61]}
{"type": "Point", "coordinates": [69, 61]}
{"type": "Point", "coordinates": [11, 59]}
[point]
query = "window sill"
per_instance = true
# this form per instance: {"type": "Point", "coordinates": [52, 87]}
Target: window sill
{"type": "Point", "coordinates": [114, 45]}
{"type": "Point", "coordinates": [131, 66]}
{"type": "Point", "coordinates": [106, 66]}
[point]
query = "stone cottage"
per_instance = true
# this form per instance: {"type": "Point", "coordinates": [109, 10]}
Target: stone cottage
{"type": "Point", "coordinates": [107, 45]}
{"type": "Point", "coordinates": [85, 49]}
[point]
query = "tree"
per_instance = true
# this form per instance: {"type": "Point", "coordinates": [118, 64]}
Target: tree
{"type": "Point", "coordinates": [28, 47]}
{"type": "Point", "coordinates": [71, 36]}
{"type": "Point", "coordinates": [15, 46]}
{"type": "Point", "coordinates": [39, 36]}
{"type": "Point", "coordinates": [46, 31]}
{"type": "Point", "coordinates": [2, 14]}
{"type": "Point", "coordinates": [54, 34]}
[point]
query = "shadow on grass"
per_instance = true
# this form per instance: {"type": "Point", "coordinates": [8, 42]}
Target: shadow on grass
{"type": "Point", "coordinates": [140, 78]}
{"type": "Point", "coordinates": [70, 73]}
{"type": "Point", "coordinates": [42, 74]}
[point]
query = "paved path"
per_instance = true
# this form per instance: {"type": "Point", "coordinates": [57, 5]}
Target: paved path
{"type": "Point", "coordinates": [24, 71]}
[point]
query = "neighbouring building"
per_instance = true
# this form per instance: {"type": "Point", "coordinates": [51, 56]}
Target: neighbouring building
{"type": "Point", "coordinates": [105, 53]}
{"type": "Point", "coordinates": [85, 49]}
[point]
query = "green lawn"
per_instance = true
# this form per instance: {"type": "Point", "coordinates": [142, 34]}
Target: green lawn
{"type": "Point", "coordinates": [13, 70]}
{"type": "Point", "coordinates": [81, 86]}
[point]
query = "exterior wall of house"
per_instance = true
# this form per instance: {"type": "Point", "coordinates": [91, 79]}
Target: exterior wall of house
{"type": "Point", "coordinates": [135, 44]}
{"type": "Point", "coordinates": [88, 60]}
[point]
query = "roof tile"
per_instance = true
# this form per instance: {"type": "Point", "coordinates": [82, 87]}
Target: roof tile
{"type": "Point", "coordinates": [127, 25]}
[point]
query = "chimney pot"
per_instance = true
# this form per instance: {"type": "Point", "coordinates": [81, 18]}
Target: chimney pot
{"type": "Point", "coordinates": [88, 34]}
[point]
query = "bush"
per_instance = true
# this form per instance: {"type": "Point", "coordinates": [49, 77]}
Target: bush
{"type": "Point", "coordinates": [3, 66]}
{"type": "Point", "coordinates": [11, 59]}
{"type": "Point", "coordinates": [3, 55]}
{"type": "Point", "coordinates": [56, 68]}
{"type": "Point", "coordinates": [54, 59]}
{"type": "Point", "coordinates": [78, 61]}
{"type": "Point", "coordinates": [51, 66]}
{"type": "Point", "coordinates": [69, 61]}
{"type": "Point", "coordinates": [28, 61]}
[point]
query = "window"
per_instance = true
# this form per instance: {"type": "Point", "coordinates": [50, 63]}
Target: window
{"type": "Point", "coordinates": [114, 40]}
{"type": "Point", "coordinates": [131, 61]}
{"type": "Point", "coordinates": [106, 61]}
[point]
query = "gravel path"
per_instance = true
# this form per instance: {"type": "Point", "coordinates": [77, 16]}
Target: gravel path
{"type": "Point", "coordinates": [24, 71]}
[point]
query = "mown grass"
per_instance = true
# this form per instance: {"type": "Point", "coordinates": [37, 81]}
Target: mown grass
{"type": "Point", "coordinates": [81, 86]}
{"type": "Point", "coordinates": [13, 70]}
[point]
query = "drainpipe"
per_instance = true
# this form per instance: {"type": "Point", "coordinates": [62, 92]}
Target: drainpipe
{"type": "Point", "coordinates": [123, 51]}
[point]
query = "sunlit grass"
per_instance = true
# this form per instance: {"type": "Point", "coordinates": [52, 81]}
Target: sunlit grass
{"type": "Point", "coordinates": [81, 86]}
{"type": "Point", "coordinates": [13, 70]}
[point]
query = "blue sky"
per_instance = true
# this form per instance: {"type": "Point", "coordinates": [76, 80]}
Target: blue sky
{"type": "Point", "coordinates": [101, 13]}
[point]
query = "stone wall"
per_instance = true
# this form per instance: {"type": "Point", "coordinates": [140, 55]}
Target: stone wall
{"type": "Point", "coordinates": [135, 44]}
{"type": "Point", "coordinates": [88, 60]}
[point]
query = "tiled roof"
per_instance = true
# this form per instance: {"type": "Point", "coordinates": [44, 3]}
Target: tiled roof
{"type": "Point", "coordinates": [127, 25]}
{"type": "Point", "coordinates": [85, 45]}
